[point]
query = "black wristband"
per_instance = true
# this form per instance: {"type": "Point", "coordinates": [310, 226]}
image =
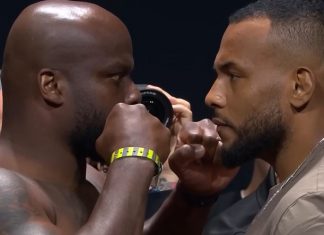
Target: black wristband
{"type": "Point", "coordinates": [197, 201]}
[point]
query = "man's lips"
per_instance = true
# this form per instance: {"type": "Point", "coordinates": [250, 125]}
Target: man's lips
{"type": "Point", "coordinates": [219, 122]}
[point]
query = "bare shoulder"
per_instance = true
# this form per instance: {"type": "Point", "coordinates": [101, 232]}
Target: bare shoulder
{"type": "Point", "coordinates": [22, 204]}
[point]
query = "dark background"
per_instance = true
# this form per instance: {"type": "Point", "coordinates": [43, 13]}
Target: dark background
{"type": "Point", "coordinates": [175, 42]}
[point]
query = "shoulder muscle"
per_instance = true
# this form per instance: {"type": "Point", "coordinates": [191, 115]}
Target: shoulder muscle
{"type": "Point", "coordinates": [18, 208]}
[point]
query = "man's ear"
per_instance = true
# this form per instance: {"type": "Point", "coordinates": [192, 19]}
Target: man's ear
{"type": "Point", "coordinates": [50, 87]}
{"type": "Point", "coordinates": [303, 86]}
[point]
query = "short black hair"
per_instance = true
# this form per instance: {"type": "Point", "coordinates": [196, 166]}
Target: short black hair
{"type": "Point", "coordinates": [298, 23]}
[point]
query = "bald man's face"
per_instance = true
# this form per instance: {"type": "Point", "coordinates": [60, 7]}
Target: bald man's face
{"type": "Point", "coordinates": [88, 53]}
{"type": "Point", "coordinates": [99, 78]}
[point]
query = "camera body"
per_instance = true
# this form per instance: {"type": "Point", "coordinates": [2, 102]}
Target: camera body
{"type": "Point", "coordinates": [157, 104]}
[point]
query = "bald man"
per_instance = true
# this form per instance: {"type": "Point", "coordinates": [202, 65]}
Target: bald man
{"type": "Point", "coordinates": [68, 95]}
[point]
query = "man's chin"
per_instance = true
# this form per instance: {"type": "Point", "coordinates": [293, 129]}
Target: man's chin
{"type": "Point", "coordinates": [231, 163]}
{"type": "Point", "coordinates": [232, 158]}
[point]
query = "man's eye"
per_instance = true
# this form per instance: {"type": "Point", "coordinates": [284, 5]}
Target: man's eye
{"type": "Point", "coordinates": [233, 76]}
{"type": "Point", "coordinates": [116, 77]}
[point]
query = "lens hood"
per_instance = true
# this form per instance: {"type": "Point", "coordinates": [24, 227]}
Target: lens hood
{"type": "Point", "coordinates": [157, 104]}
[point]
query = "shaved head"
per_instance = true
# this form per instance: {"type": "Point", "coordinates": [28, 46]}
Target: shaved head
{"type": "Point", "coordinates": [62, 60]}
{"type": "Point", "coordinates": [42, 35]}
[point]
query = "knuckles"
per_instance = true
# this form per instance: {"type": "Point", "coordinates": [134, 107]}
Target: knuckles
{"type": "Point", "coordinates": [133, 125]}
{"type": "Point", "coordinates": [202, 132]}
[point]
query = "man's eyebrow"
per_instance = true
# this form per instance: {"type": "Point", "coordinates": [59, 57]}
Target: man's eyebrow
{"type": "Point", "coordinates": [224, 66]}
{"type": "Point", "coordinates": [119, 64]}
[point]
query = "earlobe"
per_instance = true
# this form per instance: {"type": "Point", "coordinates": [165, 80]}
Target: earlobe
{"type": "Point", "coordinates": [302, 88]}
{"type": "Point", "coordinates": [49, 84]}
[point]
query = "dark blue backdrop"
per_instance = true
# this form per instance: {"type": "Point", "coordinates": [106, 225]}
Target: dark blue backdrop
{"type": "Point", "coordinates": [174, 41]}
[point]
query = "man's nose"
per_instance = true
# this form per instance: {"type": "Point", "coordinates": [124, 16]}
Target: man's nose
{"type": "Point", "coordinates": [133, 95]}
{"type": "Point", "coordinates": [216, 96]}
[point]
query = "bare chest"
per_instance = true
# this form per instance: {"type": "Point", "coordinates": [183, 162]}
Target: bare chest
{"type": "Point", "coordinates": [68, 211]}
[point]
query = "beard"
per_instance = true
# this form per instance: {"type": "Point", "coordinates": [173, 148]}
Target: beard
{"type": "Point", "coordinates": [262, 134]}
{"type": "Point", "coordinates": [89, 124]}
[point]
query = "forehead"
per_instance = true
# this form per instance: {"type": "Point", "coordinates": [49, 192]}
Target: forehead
{"type": "Point", "coordinates": [115, 47]}
{"type": "Point", "coordinates": [108, 34]}
{"type": "Point", "coordinates": [93, 44]}
{"type": "Point", "coordinates": [245, 42]}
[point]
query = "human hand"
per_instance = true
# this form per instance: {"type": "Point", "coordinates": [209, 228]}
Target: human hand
{"type": "Point", "coordinates": [132, 125]}
{"type": "Point", "coordinates": [197, 161]}
{"type": "Point", "coordinates": [182, 114]}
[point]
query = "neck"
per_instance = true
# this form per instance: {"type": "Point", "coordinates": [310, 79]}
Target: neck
{"type": "Point", "coordinates": [41, 158]}
{"type": "Point", "coordinates": [293, 155]}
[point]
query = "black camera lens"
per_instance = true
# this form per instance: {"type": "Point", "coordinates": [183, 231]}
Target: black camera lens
{"type": "Point", "coordinates": [157, 104]}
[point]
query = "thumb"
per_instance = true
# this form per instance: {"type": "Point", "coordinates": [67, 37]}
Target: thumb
{"type": "Point", "coordinates": [184, 155]}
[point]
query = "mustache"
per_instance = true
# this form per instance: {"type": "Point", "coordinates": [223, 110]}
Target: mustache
{"type": "Point", "coordinates": [220, 120]}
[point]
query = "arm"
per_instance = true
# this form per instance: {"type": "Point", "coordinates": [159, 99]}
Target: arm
{"type": "Point", "coordinates": [200, 174]}
{"type": "Point", "coordinates": [120, 207]}
{"type": "Point", "coordinates": [177, 215]}
{"type": "Point", "coordinates": [182, 114]}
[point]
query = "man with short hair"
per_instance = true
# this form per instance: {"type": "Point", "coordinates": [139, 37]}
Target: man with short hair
{"type": "Point", "coordinates": [268, 102]}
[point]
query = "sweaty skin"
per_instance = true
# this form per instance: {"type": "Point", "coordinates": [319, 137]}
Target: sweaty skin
{"type": "Point", "coordinates": [68, 95]}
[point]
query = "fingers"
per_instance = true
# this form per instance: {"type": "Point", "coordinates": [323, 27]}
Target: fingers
{"type": "Point", "coordinates": [180, 101]}
{"type": "Point", "coordinates": [160, 90]}
{"type": "Point", "coordinates": [217, 156]}
{"type": "Point", "coordinates": [191, 133]}
{"type": "Point", "coordinates": [203, 133]}
{"type": "Point", "coordinates": [121, 131]}
{"type": "Point", "coordinates": [172, 99]}
{"type": "Point", "coordinates": [210, 137]}
{"type": "Point", "coordinates": [181, 108]}
{"type": "Point", "coordinates": [184, 155]}
{"type": "Point", "coordinates": [182, 112]}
